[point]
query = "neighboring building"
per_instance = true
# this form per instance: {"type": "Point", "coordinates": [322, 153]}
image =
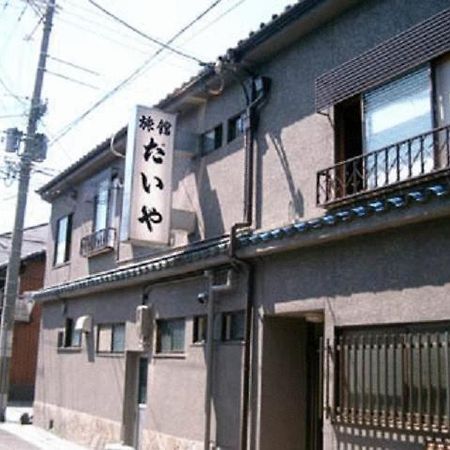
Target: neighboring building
{"type": "Point", "coordinates": [27, 314]}
{"type": "Point", "coordinates": [325, 261]}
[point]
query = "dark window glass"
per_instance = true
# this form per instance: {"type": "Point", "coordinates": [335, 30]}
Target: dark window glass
{"type": "Point", "coordinates": [200, 329]}
{"type": "Point", "coordinates": [170, 336]}
{"type": "Point", "coordinates": [235, 127]}
{"type": "Point", "coordinates": [233, 326]}
{"type": "Point", "coordinates": [72, 337]}
{"type": "Point", "coordinates": [142, 379]}
{"type": "Point", "coordinates": [211, 140]}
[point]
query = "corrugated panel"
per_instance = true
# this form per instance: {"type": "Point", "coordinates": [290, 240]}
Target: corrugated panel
{"type": "Point", "coordinates": [418, 44]}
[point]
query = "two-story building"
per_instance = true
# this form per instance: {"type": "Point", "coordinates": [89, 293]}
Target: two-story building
{"type": "Point", "coordinates": [303, 302]}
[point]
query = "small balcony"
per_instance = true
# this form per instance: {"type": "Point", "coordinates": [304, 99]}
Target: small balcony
{"type": "Point", "coordinates": [99, 242]}
{"type": "Point", "coordinates": [402, 164]}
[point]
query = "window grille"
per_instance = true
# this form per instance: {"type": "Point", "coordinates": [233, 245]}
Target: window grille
{"type": "Point", "coordinates": [391, 379]}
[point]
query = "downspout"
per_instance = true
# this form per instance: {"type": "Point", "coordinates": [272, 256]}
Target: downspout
{"type": "Point", "coordinates": [212, 291]}
{"type": "Point", "coordinates": [251, 125]}
{"type": "Point", "coordinates": [252, 102]}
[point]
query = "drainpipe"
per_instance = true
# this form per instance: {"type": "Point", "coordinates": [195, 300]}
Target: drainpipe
{"type": "Point", "coordinates": [251, 124]}
{"type": "Point", "coordinates": [212, 291]}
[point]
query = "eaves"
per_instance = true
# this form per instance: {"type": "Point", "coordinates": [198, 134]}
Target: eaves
{"type": "Point", "coordinates": [369, 217]}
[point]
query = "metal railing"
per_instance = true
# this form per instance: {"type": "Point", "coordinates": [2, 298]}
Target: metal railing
{"type": "Point", "coordinates": [98, 242]}
{"type": "Point", "coordinates": [398, 163]}
{"type": "Point", "coordinates": [395, 381]}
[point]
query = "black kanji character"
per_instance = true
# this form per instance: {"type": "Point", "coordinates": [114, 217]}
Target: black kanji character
{"type": "Point", "coordinates": [150, 216]}
{"type": "Point", "coordinates": [147, 186]}
{"type": "Point", "coordinates": [164, 127]}
{"type": "Point", "coordinates": [146, 123]}
{"type": "Point", "coordinates": [152, 149]}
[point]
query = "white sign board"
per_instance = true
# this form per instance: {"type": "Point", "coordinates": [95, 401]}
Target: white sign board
{"type": "Point", "coordinates": [147, 199]}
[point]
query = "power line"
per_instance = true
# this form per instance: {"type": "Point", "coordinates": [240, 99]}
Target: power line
{"type": "Point", "coordinates": [132, 76]}
{"type": "Point", "coordinates": [68, 63]}
{"type": "Point", "coordinates": [73, 80]}
{"type": "Point", "coordinates": [146, 36]}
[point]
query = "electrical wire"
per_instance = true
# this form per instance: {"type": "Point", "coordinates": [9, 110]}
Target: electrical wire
{"type": "Point", "coordinates": [132, 76]}
{"type": "Point", "coordinates": [146, 36]}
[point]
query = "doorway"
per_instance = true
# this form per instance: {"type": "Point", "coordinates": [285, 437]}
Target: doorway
{"type": "Point", "coordinates": [291, 380]}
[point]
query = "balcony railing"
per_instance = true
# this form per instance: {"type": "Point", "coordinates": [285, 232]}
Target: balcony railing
{"type": "Point", "coordinates": [98, 242]}
{"type": "Point", "coordinates": [405, 162]}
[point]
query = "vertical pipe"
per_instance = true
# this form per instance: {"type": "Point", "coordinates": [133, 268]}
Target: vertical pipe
{"type": "Point", "coordinates": [438, 416]}
{"type": "Point", "coordinates": [394, 379]}
{"type": "Point", "coordinates": [447, 380]}
{"type": "Point", "coordinates": [209, 361]}
{"type": "Point", "coordinates": [410, 380]}
{"type": "Point", "coordinates": [363, 380]}
{"type": "Point", "coordinates": [347, 378]}
{"type": "Point", "coordinates": [386, 379]}
{"type": "Point", "coordinates": [419, 382]}
{"type": "Point", "coordinates": [429, 373]}
{"type": "Point", "coordinates": [370, 405]}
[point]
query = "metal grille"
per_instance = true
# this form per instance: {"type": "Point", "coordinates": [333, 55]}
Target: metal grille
{"type": "Point", "coordinates": [392, 381]}
{"type": "Point", "coordinates": [420, 43]}
{"type": "Point", "coordinates": [98, 242]}
{"type": "Point", "coordinates": [398, 163]}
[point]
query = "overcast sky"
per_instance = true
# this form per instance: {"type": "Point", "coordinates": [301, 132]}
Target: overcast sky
{"type": "Point", "coordinates": [106, 53]}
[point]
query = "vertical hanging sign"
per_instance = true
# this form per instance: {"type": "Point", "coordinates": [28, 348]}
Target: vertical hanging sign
{"type": "Point", "coordinates": [147, 199]}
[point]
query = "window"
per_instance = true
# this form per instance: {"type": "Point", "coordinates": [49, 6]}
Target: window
{"type": "Point", "coordinates": [170, 336]}
{"type": "Point", "coordinates": [235, 127]}
{"type": "Point", "coordinates": [63, 240]}
{"type": "Point", "coordinates": [390, 134]}
{"type": "Point", "coordinates": [211, 140]}
{"type": "Point", "coordinates": [199, 329]}
{"type": "Point", "coordinates": [69, 337]}
{"type": "Point", "coordinates": [111, 338]}
{"type": "Point", "coordinates": [233, 326]}
{"type": "Point", "coordinates": [101, 206]}
{"type": "Point", "coordinates": [395, 376]}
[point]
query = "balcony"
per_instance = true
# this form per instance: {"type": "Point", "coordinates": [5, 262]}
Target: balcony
{"type": "Point", "coordinates": [405, 163]}
{"type": "Point", "coordinates": [99, 242]}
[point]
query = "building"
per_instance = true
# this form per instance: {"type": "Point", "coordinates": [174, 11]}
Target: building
{"type": "Point", "coordinates": [303, 301]}
{"type": "Point", "coordinates": [27, 313]}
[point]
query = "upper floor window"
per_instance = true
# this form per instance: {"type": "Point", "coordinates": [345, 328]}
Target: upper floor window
{"type": "Point", "coordinates": [63, 240]}
{"type": "Point", "coordinates": [170, 336]}
{"type": "Point", "coordinates": [391, 133]}
{"type": "Point", "coordinates": [199, 329]}
{"type": "Point", "coordinates": [212, 139]}
{"type": "Point", "coordinates": [101, 205]}
{"type": "Point", "coordinates": [235, 127]}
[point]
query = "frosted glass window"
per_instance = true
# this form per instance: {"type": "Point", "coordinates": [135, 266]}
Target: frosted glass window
{"type": "Point", "coordinates": [395, 112]}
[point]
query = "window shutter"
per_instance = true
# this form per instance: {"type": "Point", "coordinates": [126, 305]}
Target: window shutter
{"type": "Point", "coordinates": [417, 45]}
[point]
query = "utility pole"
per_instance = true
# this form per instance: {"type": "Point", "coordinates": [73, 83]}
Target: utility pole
{"type": "Point", "coordinates": [12, 274]}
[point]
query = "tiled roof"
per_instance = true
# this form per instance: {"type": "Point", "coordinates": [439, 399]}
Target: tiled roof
{"type": "Point", "coordinates": [220, 247]}
{"type": "Point", "coordinates": [34, 243]}
{"type": "Point", "coordinates": [254, 38]}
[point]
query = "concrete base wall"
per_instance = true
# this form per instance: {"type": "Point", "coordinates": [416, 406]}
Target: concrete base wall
{"type": "Point", "coordinates": [152, 440]}
{"type": "Point", "coordinates": [84, 429]}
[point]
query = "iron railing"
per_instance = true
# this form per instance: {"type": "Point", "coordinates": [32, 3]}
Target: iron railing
{"type": "Point", "coordinates": [404, 161]}
{"type": "Point", "coordinates": [398, 382]}
{"type": "Point", "coordinates": [98, 242]}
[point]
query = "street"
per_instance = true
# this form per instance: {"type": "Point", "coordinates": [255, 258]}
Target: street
{"type": "Point", "coordinates": [10, 441]}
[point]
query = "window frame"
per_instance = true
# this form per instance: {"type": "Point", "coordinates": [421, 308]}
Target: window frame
{"type": "Point", "coordinates": [160, 323]}
{"type": "Point", "coordinates": [228, 325]}
{"type": "Point", "coordinates": [233, 125]}
{"type": "Point", "coordinates": [66, 241]}
{"type": "Point", "coordinates": [199, 329]}
{"type": "Point", "coordinates": [104, 187]}
{"type": "Point", "coordinates": [110, 346]}
{"type": "Point", "coordinates": [69, 338]}
{"type": "Point", "coordinates": [216, 139]}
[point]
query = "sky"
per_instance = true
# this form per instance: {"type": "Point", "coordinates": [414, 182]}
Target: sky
{"type": "Point", "coordinates": [97, 53]}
